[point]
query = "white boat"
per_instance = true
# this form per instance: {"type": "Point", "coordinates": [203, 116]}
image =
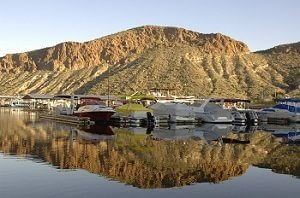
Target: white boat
{"type": "Point", "coordinates": [237, 107]}
{"type": "Point", "coordinates": [286, 109]}
{"type": "Point", "coordinates": [19, 103]}
{"type": "Point", "coordinates": [172, 112]}
{"type": "Point", "coordinates": [211, 112]}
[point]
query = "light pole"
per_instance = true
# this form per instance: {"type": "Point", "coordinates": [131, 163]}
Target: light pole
{"type": "Point", "coordinates": [108, 84]}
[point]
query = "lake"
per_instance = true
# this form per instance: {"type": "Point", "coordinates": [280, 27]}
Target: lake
{"type": "Point", "coordinates": [40, 158]}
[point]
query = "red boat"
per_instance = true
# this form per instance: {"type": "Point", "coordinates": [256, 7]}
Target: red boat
{"type": "Point", "coordinates": [93, 108]}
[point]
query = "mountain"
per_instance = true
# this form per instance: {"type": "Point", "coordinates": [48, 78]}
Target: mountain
{"type": "Point", "coordinates": [151, 56]}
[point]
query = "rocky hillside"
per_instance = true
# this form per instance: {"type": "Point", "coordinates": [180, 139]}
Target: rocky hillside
{"type": "Point", "coordinates": [150, 56]}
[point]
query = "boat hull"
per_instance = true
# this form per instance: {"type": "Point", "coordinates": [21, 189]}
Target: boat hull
{"type": "Point", "coordinates": [96, 116]}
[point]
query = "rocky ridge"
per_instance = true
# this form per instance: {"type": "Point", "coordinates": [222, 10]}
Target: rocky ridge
{"type": "Point", "coordinates": [150, 56]}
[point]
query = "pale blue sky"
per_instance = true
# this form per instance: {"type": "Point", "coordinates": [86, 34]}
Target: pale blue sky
{"type": "Point", "coordinates": [33, 24]}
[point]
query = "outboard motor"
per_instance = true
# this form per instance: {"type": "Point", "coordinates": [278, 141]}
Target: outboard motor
{"type": "Point", "coordinates": [252, 117]}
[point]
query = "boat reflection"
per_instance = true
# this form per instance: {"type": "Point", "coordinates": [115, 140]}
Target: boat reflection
{"type": "Point", "coordinates": [205, 133]}
{"type": "Point", "coordinates": [93, 133]}
{"type": "Point", "coordinates": [212, 132]}
{"type": "Point", "coordinates": [289, 133]}
{"type": "Point", "coordinates": [173, 132]}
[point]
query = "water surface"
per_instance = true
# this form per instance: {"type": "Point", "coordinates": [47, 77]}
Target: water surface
{"type": "Point", "coordinates": [39, 158]}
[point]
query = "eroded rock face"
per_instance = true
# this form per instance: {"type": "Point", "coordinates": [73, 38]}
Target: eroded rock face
{"type": "Point", "coordinates": [285, 48]}
{"type": "Point", "coordinates": [150, 56]}
{"type": "Point", "coordinates": [118, 48]}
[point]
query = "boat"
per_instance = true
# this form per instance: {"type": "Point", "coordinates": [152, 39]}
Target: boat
{"type": "Point", "coordinates": [93, 108]}
{"type": "Point", "coordinates": [134, 114]}
{"type": "Point", "coordinates": [171, 112]}
{"type": "Point", "coordinates": [211, 112]}
{"type": "Point", "coordinates": [19, 103]}
{"type": "Point", "coordinates": [238, 108]}
{"type": "Point", "coordinates": [288, 109]}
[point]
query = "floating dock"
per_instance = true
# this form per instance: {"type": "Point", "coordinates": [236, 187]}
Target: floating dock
{"type": "Point", "coordinates": [68, 119]}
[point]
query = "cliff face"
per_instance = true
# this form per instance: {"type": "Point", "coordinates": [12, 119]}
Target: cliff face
{"type": "Point", "coordinates": [118, 49]}
{"type": "Point", "coordinates": [151, 56]}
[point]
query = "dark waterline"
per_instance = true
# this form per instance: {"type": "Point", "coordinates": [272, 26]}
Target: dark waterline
{"type": "Point", "coordinates": [46, 159]}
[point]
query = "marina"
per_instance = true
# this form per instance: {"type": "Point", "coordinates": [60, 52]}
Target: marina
{"type": "Point", "coordinates": [155, 111]}
{"type": "Point", "coordinates": [149, 99]}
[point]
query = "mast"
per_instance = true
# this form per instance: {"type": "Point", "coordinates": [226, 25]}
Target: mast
{"type": "Point", "coordinates": [108, 85]}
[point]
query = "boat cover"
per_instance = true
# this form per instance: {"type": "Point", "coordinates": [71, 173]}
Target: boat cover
{"type": "Point", "coordinates": [172, 109]}
{"type": "Point", "coordinates": [133, 110]}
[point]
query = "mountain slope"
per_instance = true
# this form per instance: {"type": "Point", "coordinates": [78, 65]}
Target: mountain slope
{"type": "Point", "coordinates": [145, 57]}
{"type": "Point", "coordinates": [117, 48]}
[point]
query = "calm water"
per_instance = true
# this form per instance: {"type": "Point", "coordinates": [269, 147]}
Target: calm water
{"type": "Point", "coordinates": [44, 159]}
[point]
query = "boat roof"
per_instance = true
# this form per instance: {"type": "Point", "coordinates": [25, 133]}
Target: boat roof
{"type": "Point", "coordinates": [65, 96]}
{"type": "Point", "coordinates": [130, 107]}
{"type": "Point", "coordinates": [289, 100]}
{"type": "Point", "coordinates": [37, 96]}
{"type": "Point", "coordinates": [229, 100]}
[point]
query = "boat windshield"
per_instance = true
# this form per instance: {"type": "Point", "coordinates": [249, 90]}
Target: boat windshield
{"type": "Point", "coordinates": [287, 107]}
{"type": "Point", "coordinates": [90, 101]}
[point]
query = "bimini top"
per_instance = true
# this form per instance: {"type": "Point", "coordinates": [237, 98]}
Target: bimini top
{"type": "Point", "coordinates": [231, 100]}
{"type": "Point", "coordinates": [132, 108]}
{"type": "Point", "coordinates": [287, 107]}
{"type": "Point", "coordinates": [290, 100]}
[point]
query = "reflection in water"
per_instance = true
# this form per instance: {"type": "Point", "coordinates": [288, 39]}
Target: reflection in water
{"type": "Point", "coordinates": [93, 133]}
{"type": "Point", "coordinates": [289, 133]}
{"type": "Point", "coordinates": [169, 157]}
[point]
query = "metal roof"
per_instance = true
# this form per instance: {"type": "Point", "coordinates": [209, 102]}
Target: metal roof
{"type": "Point", "coordinates": [37, 96]}
{"type": "Point", "coordinates": [289, 100]}
{"type": "Point", "coordinates": [233, 100]}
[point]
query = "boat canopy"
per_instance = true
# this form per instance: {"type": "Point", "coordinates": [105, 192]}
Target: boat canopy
{"type": "Point", "coordinates": [288, 107]}
{"type": "Point", "coordinates": [230, 100]}
{"type": "Point", "coordinates": [172, 109]}
{"type": "Point", "coordinates": [37, 97]}
{"type": "Point", "coordinates": [131, 107]}
{"type": "Point", "coordinates": [133, 110]}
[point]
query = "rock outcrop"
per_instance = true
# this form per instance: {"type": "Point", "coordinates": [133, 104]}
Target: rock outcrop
{"type": "Point", "coordinates": [150, 56]}
{"type": "Point", "coordinates": [118, 48]}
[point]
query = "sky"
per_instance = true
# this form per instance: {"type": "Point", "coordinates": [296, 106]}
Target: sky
{"type": "Point", "coordinates": [34, 24]}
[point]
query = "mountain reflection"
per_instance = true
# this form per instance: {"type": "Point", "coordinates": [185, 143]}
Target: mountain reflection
{"type": "Point", "coordinates": [165, 158]}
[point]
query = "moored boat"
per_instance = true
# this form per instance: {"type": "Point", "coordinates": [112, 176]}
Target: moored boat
{"type": "Point", "coordinates": [288, 109]}
{"type": "Point", "coordinates": [211, 113]}
{"type": "Point", "coordinates": [173, 113]}
{"type": "Point", "coordinates": [238, 108]}
{"type": "Point", "coordinates": [91, 107]}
